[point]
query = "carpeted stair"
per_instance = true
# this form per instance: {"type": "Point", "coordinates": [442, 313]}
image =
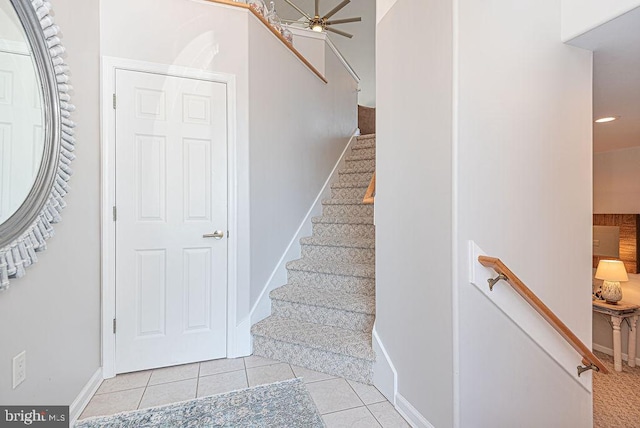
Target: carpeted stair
{"type": "Point", "coordinates": [322, 319]}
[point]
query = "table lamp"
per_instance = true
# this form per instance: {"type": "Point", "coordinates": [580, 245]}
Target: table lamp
{"type": "Point", "coordinates": [612, 272]}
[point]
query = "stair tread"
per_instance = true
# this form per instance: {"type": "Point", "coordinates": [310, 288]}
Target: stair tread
{"type": "Point", "coordinates": [331, 299]}
{"type": "Point", "coordinates": [350, 184]}
{"type": "Point", "coordinates": [356, 157]}
{"type": "Point", "coordinates": [366, 137]}
{"type": "Point", "coordinates": [335, 241]}
{"type": "Point", "coordinates": [352, 343]}
{"type": "Point", "coordinates": [358, 170]}
{"type": "Point", "coordinates": [364, 144]}
{"type": "Point", "coordinates": [363, 270]}
{"type": "Point", "coordinates": [341, 201]}
{"type": "Point", "coordinates": [342, 220]}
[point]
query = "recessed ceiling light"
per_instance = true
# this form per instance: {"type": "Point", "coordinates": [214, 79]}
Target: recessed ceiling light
{"type": "Point", "coordinates": [607, 119]}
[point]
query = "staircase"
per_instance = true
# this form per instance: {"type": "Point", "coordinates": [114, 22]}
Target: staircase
{"type": "Point", "coordinates": [322, 319]}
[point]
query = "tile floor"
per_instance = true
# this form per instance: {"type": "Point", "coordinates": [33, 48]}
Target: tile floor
{"type": "Point", "coordinates": [342, 403]}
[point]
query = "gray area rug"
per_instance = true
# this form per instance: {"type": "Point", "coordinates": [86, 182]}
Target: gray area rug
{"type": "Point", "coordinates": [282, 404]}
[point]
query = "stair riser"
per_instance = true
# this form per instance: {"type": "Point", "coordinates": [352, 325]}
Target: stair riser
{"type": "Point", "coordinates": [362, 163]}
{"type": "Point", "coordinates": [322, 315]}
{"type": "Point", "coordinates": [346, 284]}
{"type": "Point", "coordinates": [348, 210]}
{"type": "Point", "coordinates": [339, 254]}
{"type": "Point", "coordinates": [355, 177]}
{"type": "Point", "coordinates": [364, 152]}
{"type": "Point", "coordinates": [348, 193]}
{"type": "Point", "coordinates": [355, 369]}
{"type": "Point", "coordinates": [344, 230]}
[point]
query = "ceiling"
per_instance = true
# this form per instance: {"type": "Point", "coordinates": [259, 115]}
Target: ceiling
{"type": "Point", "coordinates": [616, 80]}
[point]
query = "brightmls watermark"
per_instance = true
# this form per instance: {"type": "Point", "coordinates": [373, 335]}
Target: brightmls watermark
{"type": "Point", "coordinates": [34, 416]}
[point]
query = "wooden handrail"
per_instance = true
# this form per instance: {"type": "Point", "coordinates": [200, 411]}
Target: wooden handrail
{"type": "Point", "coordinates": [370, 196]}
{"type": "Point", "coordinates": [588, 357]}
{"type": "Point", "coordinates": [276, 33]}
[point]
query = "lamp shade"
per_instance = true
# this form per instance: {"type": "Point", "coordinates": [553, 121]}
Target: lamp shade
{"type": "Point", "coordinates": [611, 270]}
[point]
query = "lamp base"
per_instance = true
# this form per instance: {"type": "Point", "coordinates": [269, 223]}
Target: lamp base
{"type": "Point", "coordinates": [611, 292]}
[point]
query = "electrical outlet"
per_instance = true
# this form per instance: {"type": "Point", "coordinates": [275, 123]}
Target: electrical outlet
{"type": "Point", "coordinates": [19, 368]}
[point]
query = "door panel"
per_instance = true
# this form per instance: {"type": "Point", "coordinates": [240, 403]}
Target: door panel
{"type": "Point", "coordinates": [21, 136]}
{"type": "Point", "coordinates": [171, 189]}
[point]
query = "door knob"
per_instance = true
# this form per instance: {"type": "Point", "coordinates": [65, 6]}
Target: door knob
{"type": "Point", "coordinates": [218, 234]}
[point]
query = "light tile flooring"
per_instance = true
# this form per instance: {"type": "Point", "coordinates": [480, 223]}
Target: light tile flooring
{"type": "Point", "coordinates": [342, 403]}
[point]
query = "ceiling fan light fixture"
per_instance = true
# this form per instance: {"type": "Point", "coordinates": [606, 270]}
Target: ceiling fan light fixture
{"type": "Point", "coordinates": [321, 23]}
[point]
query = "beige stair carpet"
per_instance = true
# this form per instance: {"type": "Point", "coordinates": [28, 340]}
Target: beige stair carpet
{"type": "Point", "coordinates": [323, 317]}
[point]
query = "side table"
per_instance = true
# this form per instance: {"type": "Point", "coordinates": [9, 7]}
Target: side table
{"type": "Point", "coordinates": [619, 312]}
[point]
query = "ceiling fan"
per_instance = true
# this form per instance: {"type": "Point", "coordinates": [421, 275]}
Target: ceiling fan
{"type": "Point", "coordinates": [318, 23]}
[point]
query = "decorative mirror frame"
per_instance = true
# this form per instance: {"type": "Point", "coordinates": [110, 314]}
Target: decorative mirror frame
{"type": "Point", "coordinates": [26, 231]}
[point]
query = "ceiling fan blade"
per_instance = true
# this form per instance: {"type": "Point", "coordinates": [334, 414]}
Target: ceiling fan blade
{"type": "Point", "coordinates": [317, 7]}
{"type": "Point", "coordinates": [343, 21]}
{"type": "Point", "coordinates": [303, 13]}
{"type": "Point", "coordinates": [291, 21]}
{"type": "Point", "coordinates": [342, 33]}
{"type": "Point", "coordinates": [336, 9]}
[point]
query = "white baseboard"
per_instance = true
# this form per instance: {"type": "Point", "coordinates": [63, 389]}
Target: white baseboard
{"type": "Point", "coordinates": [81, 401]}
{"type": "Point", "coordinates": [242, 343]}
{"type": "Point", "coordinates": [278, 277]}
{"type": "Point", "coordinates": [415, 419]}
{"type": "Point", "coordinates": [609, 351]}
{"type": "Point", "coordinates": [385, 377]}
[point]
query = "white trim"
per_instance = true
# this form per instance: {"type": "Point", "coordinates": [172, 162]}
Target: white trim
{"type": "Point", "coordinates": [262, 308]}
{"type": "Point", "coordinates": [109, 67]}
{"type": "Point", "coordinates": [455, 247]}
{"type": "Point", "coordinates": [344, 62]}
{"type": "Point", "coordinates": [510, 303]}
{"type": "Point", "coordinates": [81, 401]}
{"type": "Point", "coordinates": [410, 413]}
{"type": "Point", "coordinates": [609, 351]}
{"type": "Point", "coordinates": [385, 379]}
{"type": "Point", "coordinates": [385, 375]}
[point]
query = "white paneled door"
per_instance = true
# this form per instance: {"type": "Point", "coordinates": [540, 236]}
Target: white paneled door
{"type": "Point", "coordinates": [21, 136]}
{"type": "Point", "coordinates": [171, 226]}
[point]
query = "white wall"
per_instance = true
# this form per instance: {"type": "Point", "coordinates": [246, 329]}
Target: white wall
{"type": "Point", "coordinates": [286, 145]}
{"type": "Point", "coordinates": [523, 195]}
{"type": "Point", "coordinates": [413, 202]}
{"type": "Point", "coordinates": [203, 36]}
{"type": "Point", "coordinates": [515, 190]}
{"type": "Point", "coordinates": [616, 182]}
{"type": "Point", "coordinates": [358, 51]}
{"type": "Point", "coordinates": [54, 311]}
{"type": "Point", "coordinates": [295, 142]}
{"type": "Point", "coordinates": [312, 45]}
{"type": "Point", "coordinates": [580, 16]}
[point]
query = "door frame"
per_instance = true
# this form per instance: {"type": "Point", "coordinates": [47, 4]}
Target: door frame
{"type": "Point", "coordinates": [108, 175]}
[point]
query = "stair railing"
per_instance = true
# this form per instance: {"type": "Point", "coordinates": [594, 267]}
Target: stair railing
{"type": "Point", "coordinates": [590, 361]}
{"type": "Point", "coordinates": [370, 196]}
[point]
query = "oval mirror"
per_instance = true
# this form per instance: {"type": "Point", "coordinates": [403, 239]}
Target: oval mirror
{"type": "Point", "coordinates": [21, 115]}
{"type": "Point", "coordinates": [36, 132]}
